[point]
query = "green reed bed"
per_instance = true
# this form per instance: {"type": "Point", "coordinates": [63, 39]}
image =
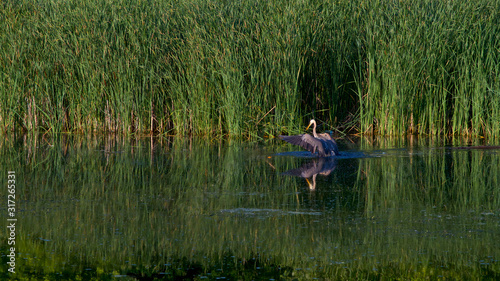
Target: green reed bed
{"type": "Point", "coordinates": [250, 68]}
{"type": "Point", "coordinates": [433, 67]}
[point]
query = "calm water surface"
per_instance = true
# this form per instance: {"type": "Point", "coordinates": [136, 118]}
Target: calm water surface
{"type": "Point", "coordinates": [116, 208]}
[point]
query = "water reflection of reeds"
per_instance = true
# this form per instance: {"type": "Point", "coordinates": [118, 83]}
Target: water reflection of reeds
{"type": "Point", "coordinates": [113, 205]}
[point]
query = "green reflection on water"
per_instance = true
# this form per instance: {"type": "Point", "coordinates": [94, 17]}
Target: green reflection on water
{"type": "Point", "coordinates": [98, 208]}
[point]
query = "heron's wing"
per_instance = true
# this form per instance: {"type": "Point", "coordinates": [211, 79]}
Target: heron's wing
{"type": "Point", "coordinates": [307, 142]}
{"type": "Point", "coordinates": [329, 143]}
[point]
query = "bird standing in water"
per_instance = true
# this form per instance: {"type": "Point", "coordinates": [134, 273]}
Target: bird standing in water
{"type": "Point", "coordinates": [322, 144]}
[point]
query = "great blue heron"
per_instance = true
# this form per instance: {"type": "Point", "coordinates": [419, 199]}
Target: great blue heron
{"type": "Point", "coordinates": [323, 144]}
{"type": "Point", "coordinates": [322, 166]}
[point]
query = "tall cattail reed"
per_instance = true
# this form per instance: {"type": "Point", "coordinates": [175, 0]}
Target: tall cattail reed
{"type": "Point", "coordinates": [250, 68]}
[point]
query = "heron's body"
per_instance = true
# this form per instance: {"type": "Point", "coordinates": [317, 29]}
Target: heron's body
{"type": "Point", "coordinates": [322, 144]}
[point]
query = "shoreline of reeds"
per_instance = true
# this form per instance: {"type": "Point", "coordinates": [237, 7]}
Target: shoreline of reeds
{"type": "Point", "coordinates": [250, 68]}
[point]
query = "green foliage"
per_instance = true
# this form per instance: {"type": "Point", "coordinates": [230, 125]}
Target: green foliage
{"type": "Point", "coordinates": [430, 71]}
{"type": "Point", "coordinates": [250, 68]}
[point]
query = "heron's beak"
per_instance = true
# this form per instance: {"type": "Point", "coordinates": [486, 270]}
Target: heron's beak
{"type": "Point", "coordinates": [308, 126]}
{"type": "Point", "coordinates": [311, 186]}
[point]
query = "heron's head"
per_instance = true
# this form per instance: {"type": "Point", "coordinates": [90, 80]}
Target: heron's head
{"type": "Point", "coordinates": [310, 123]}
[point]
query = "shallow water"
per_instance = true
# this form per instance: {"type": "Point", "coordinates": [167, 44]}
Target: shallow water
{"type": "Point", "coordinates": [167, 208]}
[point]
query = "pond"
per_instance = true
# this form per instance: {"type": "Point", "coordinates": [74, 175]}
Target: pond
{"type": "Point", "coordinates": [125, 208]}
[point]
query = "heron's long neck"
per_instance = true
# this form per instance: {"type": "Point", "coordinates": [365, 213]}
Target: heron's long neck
{"type": "Point", "coordinates": [314, 130]}
{"type": "Point", "coordinates": [313, 185]}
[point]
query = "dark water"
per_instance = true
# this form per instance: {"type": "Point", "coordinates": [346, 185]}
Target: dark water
{"type": "Point", "coordinates": [119, 208]}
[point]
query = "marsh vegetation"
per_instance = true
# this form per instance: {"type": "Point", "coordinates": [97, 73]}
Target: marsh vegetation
{"type": "Point", "coordinates": [250, 68]}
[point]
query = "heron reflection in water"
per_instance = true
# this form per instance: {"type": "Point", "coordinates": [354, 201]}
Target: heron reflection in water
{"type": "Point", "coordinates": [322, 144]}
{"type": "Point", "coordinates": [322, 166]}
